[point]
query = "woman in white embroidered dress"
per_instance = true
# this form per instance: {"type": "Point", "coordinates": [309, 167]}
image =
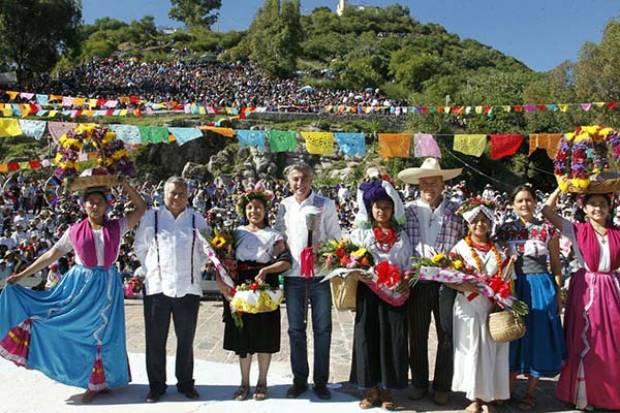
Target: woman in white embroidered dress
{"type": "Point", "coordinates": [481, 367]}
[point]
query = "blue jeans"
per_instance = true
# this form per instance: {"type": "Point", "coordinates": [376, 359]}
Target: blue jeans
{"type": "Point", "coordinates": [299, 292]}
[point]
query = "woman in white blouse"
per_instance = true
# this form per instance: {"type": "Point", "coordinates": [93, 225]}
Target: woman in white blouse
{"type": "Point", "coordinates": [262, 255]}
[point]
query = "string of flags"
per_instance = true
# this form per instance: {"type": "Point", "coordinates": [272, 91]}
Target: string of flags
{"type": "Point", "coordinates": [321, 143]}
{"type": "Point", "coordinates": [50, 106]}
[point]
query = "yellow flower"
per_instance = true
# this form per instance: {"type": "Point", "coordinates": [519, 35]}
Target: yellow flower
{"type": "Point", "coordinates": [590, 130]}
{"type": "Point", "coordinates": [119, 154]}
{"type": "Point", "coordinates": [438, 258]}
{"type": "Point", "coordinates": [109, 137]}
{"type": "Point", "coordinates": [570, 136]}
{"type": "Point", "coordinates": [333, 244]}
{"type": "Point", "coordinates": [581, 183]}
{"type": "Point", "coordinates": [457, 264]}
{"type": "Point", "coordinates": [359, 253]}
{"type": "Point", "coordinates": [342, 243]}
{"type": "Point", "coordinates": [563, 184]}
{"type": "Point", "coordinates": [218, 242]}
{"type": "Point", "coordinates": [605, 131]}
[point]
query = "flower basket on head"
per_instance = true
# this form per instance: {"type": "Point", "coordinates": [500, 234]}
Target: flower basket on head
{"type": "Point", "coordinates": [111, 157]}
{"type": "Point", "coordinates": [83, 182]}
{"type": "Point", "coordinates": [588, 161]}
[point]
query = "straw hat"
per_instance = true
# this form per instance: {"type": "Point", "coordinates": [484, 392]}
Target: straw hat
{"type": "Point", "coordinates": [429, 168]}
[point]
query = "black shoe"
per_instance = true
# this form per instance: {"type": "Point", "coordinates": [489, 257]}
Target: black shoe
{"type": "Point", "coordinates": [190, 393]}
{"type": "Point", "coordinates": [322, 391]}
{"type": "Point", "coordinates": [295, 390]}
{"type": "Point", "coordinates": [152, 397]}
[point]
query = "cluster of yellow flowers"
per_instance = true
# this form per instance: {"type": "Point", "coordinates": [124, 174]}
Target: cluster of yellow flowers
{"type": "Point", "coordinates": [596, 133]}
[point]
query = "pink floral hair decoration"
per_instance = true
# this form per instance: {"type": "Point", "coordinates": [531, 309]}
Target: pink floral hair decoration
{"type": "Point", "coordinates": [258, 192]}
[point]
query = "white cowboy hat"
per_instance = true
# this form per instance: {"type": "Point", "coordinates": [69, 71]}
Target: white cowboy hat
{"type": "Point", "coordinates": [430, 167]}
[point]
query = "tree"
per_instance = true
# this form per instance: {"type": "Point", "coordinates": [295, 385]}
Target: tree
{"type": "Point", "coordinates": [195, 12]}
{"type": "Point", "coordinates": [275, 36]}
{"type": "Point", "coordinates": [35, 33]}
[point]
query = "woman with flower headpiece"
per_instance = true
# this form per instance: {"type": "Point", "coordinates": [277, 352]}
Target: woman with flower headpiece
{"type": "Point", "coordinates": [480, 364]}
{"type": "Point", "coordinates": [590, 376]}
{"type": "Point", "coordinates": [536, 244]}
{"type": "Point", "coordinates": [380, 334]}
{"type": "Point", "coordinates": [75, 332]}
{"type": "Point", "coordinates": [261, 255]}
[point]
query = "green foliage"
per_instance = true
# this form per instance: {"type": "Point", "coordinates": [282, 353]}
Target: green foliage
{"type": "Point", "coordinates": [195, 13]}
{"type": "Point", "coordinates": [274, 37]}
{"type": "Point", "coordinates": [34, 34]}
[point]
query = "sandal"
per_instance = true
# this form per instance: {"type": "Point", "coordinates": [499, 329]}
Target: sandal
{"type": "Point", "coordinates": [474, 407]}
{"type": "Point", "coordinates": [527, 403]}
{"type": "Point", "coordinates": [242, 393]}
{"type": "Point", "coordinates": [387, 401]}
{"type": "Point", "coordinates": [260, 393]}
{"type": "Point", "coordinates": [370, 398]}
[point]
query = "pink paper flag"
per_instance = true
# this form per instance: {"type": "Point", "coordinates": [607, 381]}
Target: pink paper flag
{"type": "Point", "coordinates": [426, 146]}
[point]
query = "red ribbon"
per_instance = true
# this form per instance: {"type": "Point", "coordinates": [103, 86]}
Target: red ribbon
{"type": "Point", "coordinates": [499, 286]}
{"type": "Point", "coordinates": [307, 262]}
{"type": "Point", "coordinates": [387, 274]}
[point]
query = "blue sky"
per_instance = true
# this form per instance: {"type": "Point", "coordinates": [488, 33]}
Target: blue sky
{"type": "Point", "coordinates": [540, 33]}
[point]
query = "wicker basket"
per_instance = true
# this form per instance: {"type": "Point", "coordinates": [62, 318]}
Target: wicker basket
{"type": "Point", "coordinates": [596, 187]}
{"type": "Point", "coordinates": [506, 326]}
{"type": "Point", "coordinates": [83, 182]}
{"type": "Point", "coordinates": [344, 291]}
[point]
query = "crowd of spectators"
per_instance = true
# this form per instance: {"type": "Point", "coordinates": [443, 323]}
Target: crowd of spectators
{"type": "Point", "coordinates": [207, 83]}
{"type": "Point", "coordinates": [29, 226]}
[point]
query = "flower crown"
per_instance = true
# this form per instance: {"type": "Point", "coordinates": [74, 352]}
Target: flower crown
{"type": "Point", "coordinates": [258, 192]}
{"type": "Point", "coordinates": [475, 202]}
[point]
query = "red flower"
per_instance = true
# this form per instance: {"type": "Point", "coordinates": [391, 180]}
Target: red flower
{"type": "Point", "coordinates": [387, 274]}
{"type": "Point", "coordinates": [340, 252]}
{"type": "Point", "coordinates": [254, 286]}
{"type": "Point", "coordinates": [499, 286]}
{"type": "Point", "coordinates": [344, 261]}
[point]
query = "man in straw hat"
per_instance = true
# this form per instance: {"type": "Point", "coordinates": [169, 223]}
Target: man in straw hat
{"type": "Point", "coordinates": [432, 227]}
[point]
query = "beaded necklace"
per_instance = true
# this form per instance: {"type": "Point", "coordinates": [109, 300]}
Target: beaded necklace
{"type": "Point", "coordinates": [488, 246]}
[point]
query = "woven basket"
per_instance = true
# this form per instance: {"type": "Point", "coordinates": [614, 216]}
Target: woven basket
{"type": "Point", "coordinates": [506, 326]}
{"type": "Point", "coordinates": [344, 291]}
{"type": "Point", "coordinates": [83, 182]}
{"type": "Point", "coordinates": [596, 187]}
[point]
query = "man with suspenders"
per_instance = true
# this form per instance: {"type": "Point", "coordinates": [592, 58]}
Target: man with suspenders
{"type": "Point", "coordinates": [171, 252]}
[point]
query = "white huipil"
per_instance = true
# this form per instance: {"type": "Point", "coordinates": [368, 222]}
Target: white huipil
{"type": "Point", "coordinates": [481, 365]}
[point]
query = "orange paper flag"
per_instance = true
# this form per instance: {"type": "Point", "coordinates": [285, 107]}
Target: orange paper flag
{"type": "Point", "coordinates": [395, 145]}
{"type": "Point", "coordinates": [547, 141]}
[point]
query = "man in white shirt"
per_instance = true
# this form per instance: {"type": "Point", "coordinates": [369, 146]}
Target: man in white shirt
{"type": "Point", "coordinates": [171, 252]}
{"type": "Point", "coordinates": [306, 219]}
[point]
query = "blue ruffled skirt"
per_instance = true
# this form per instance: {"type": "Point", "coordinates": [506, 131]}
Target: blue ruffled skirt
{"type": "Point", "coordinates": [72, 333]}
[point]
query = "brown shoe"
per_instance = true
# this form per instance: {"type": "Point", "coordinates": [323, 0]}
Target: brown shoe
{"type": "Point", "coordinates": [387, 400]}
{"type": "Point", "coordinates": [370, 398]}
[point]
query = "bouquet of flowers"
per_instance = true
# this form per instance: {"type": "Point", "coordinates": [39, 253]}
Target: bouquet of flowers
{"type": "Point", "coordinates": [587, 160]}
{"type": "Point", "coordinates": [254, 298]}
{"type": "Point", "coordinates": [223, 243]}
{"type": "Point", "coordinates": [344, 254]}
{"type": "Point", "coordinates": [134, 288]}
{"type": "Point", "coordinates": [453, 269]}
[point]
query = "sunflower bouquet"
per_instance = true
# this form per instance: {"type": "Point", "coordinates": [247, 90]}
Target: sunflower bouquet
{"type": "Point", "coordinates": [223, 243]}
{"type": "Point", "coordinates": [587, 160]}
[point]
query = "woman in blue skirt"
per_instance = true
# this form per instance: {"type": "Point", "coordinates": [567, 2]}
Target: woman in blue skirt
{"type": "Point", "coordinates": [75, 332]}
{"type": "Point", "coordinates": [536, 244]}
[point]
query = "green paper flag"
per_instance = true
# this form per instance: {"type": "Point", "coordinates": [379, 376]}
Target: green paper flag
{"type": "Point", "coordinates": [153, 134]}
{"type": "Point", "coordinates": [282, 141]}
